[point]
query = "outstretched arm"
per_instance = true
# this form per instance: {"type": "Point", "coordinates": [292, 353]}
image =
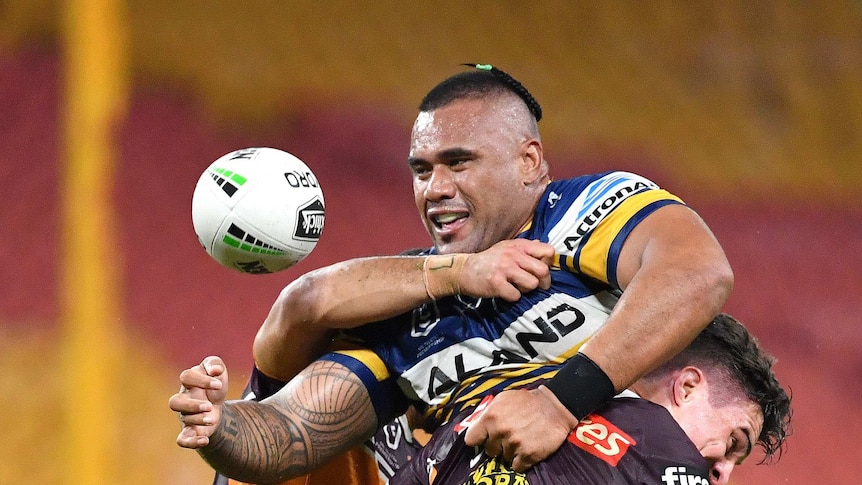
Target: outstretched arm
{"type": "Point", "coordinates": [320, 414]}
{"type": "Point", "coordinates": [359, 291]}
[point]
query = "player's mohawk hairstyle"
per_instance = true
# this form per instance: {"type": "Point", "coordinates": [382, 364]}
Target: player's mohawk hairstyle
{"type": "Point", "coordinates": [485, 79]}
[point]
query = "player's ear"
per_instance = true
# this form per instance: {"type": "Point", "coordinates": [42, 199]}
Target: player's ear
{"type": "Point", "coordinates": [688, 383]}
{"type": "Point", "coordinates": [533, 165]}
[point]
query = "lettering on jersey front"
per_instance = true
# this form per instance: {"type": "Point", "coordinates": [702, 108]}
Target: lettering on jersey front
{"type": "Point", "coordinates": [602, 439]}
{"type": "Point", "coordinates": [551, 327]}
{"type": "Point", "coordinates": [596, 211]}
{"type": "Point", "coordinates": [546, 332]}
{"type": "Point", "coordinates": [494, 472]}
{"type": "Point", "coordinates": [676, 475]}
{"type": "Point", "coordinates": [445, 383]}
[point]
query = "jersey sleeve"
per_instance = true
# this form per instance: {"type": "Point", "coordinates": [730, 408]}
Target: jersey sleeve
{"type": "Point", "coordinates": [382, 386]}
{"type": "Point", "coordinates": [602, 211]}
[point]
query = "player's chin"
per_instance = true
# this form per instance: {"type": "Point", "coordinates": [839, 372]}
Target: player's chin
{"type": "Point", "coordinates": [462, 241]}
{"type": "Point", "coordinates": [454, 245]}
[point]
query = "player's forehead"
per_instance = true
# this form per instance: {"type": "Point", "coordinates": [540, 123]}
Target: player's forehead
{"type": "Point", "coordinates": [469, 123]}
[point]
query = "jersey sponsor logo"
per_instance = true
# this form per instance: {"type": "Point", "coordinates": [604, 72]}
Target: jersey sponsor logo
{"type": "Point", "coordinates": [602, 439]}
{"type": "Point", "coordinates": [392, 434]}
{"type": "Point", "coordinates": [558, 322]}
{"type": "Point", "coordinates": [595, 211]}
{"type": "Point", "coordinates": [425, 318]}
{"type": "Point", "coordinates": [543, 333]}
{"type": "Point", "coordinates": [676, 475]}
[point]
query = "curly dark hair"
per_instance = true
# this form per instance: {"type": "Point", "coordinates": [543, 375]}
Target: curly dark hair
{"type": "Point", "coordinates": [726, 346]}
{"type": "Point", "coordinates": [484, 79]}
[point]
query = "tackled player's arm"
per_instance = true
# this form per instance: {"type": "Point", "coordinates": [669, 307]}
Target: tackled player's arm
{"type": "Point", "coordinates": [676, 278]}
{"type": "Point", "coordinates": [320, 414]}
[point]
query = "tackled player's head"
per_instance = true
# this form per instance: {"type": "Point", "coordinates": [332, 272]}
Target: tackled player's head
{"type": "Point", "coordinates": [729, 353]}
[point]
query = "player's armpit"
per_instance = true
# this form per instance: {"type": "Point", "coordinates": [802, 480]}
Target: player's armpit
{"type": "Point", "coordinates": [318, 415]}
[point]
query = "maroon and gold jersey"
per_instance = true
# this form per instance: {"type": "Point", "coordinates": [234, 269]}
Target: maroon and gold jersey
{"type": "Point", "coordinates": [629, 441]}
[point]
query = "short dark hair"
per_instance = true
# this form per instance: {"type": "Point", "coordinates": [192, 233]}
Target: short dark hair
{"type": "Point", "coordinates": [477, 83]}
{"type": "Point", "coordinates": [726, 346]}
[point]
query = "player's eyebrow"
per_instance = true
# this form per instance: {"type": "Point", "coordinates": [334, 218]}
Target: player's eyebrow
{"type": "Point", "coordinates": [454, 153]}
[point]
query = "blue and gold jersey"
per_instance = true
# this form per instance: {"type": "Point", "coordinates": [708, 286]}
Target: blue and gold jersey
{"type": "Point", "coordinates": [448, 354]}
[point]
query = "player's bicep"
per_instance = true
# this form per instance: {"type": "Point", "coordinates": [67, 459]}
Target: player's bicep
{"type": "Point", "coordinates": [671, 234]}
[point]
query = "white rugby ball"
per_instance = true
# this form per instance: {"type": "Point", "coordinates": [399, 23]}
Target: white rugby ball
{"type": "Point", "coordinates": [258, 210]}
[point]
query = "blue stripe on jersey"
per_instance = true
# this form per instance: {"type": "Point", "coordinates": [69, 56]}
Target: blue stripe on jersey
{"type": "Point", "coordinates": [560, 195]}
{"type": "Point", "coordinates": [617, 244]}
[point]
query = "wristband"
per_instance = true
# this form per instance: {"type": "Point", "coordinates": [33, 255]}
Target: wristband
{"type": "Point", "coordinates": [442, 274]}
{"type": "Point", "coordinates": [581, 386]}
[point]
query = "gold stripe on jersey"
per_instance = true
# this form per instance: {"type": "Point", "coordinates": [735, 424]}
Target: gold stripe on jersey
{"type": "Point", "coordinates": [465, 397]}
{"type": "Point", "coordinates": [369, 359]}
{"type": "Point", "coordinates": [593, 259]}
{"type": "Point", "coordinates": [474, 396]}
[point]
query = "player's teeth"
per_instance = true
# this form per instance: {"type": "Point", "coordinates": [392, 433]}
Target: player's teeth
{"type": "Point", "coordinates": [447, 218]}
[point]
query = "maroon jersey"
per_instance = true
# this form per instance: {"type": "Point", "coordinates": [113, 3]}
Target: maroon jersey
{"type": "Point", "coordinates": [629, 441]}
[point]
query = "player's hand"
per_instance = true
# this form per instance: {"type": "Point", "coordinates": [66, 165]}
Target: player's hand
{"type": "Point", "coordinates": [508, 269]}
{"type": "Point", "coordinates": [523, 427]}
{"type": "Point", "coordinates": [199, 401]}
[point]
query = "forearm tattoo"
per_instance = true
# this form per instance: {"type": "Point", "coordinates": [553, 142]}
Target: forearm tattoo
{"type": "Point", "coordinates": [320, 414]}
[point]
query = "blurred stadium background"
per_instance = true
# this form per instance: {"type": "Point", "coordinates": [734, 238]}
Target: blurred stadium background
{"type": "Point", "coordinates": [109, 111]}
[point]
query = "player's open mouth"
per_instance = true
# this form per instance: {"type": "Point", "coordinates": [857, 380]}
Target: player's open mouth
{"type": "Point", "coordinates": [447, 220]}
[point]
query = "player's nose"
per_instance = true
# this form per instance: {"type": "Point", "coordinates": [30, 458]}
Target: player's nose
{"type": "Point", "coordinates": [719, 474]}
{"type": "Point", "coordinates": [441, 185]}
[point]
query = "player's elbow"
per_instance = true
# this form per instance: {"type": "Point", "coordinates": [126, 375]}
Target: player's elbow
{"type": "Point", "coordinates": [290, 336]}
{"type": "Point", "coordinates": [717, 284]}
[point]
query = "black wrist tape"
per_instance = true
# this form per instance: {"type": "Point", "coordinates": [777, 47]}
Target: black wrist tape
{"type": "Point", "coordinates": [581, 385]}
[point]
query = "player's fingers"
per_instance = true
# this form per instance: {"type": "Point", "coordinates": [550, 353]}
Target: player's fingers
{"type": "Point", "coordinates": [524, 281]}
{"type": "Point", "coordinates": [508, 452]}
{"type": "Point", "coordinates": [197, 377]}
{"type": "Point", "coordinates": [534, 265]}
{"type": "Point", "coordinates": [508, 292]}
{"type": "Point", "coordinates": [522, 463]}
{"type": "Point", "coordinates": [476, 434]}
{"type": "Point", "coordinates": [182, 402]}
{"type": "Point", "coordinates": [213, 366]}
{"type": "Point", "coordinates": [541, 251]}
{"type": "Point", "coordinates": [493, 447]}
{"type": "Point", "coordinates": [189, 438]}
{"type": "Point", "coordinates": [197, 419]}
